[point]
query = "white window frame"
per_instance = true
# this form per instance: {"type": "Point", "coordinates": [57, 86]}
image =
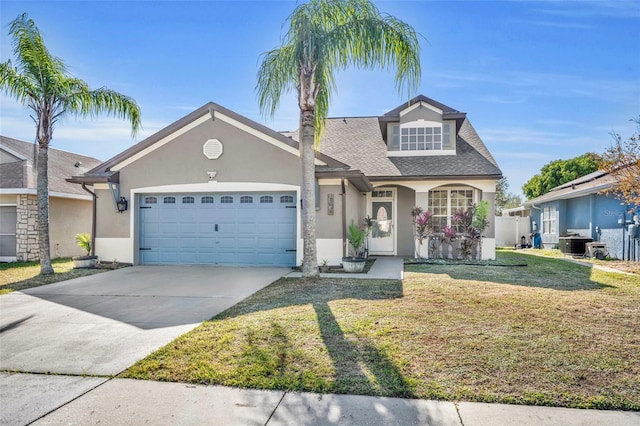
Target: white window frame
{"type": "Point", "coordinates": [449, 207]}
{"type": "Point", "coordinates": [400, 148]}
{"type": "Point", "coordinates": [549, 220]}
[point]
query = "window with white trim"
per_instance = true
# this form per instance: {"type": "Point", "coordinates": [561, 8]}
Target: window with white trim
{"type": "Point", "coordinates": [444, 202]}
{"type": "Point", "coordinates": [549, 220]}
{"type": "Point", "coordinates": [226, 199]}
{"type": "Point", "coordinates": [188, 200]}
{"type": "Point", "coordinates": [150, 200]}
{"type": "Point", "coordinates": [246, 199]}
{"type": "Point", "coordinates": [415, 137]}
{"type": "Point", "coordinates": [266, 199]}
{"type": "Point", "coordinates": [169, 200]}
{"type": "Point", "coordinates": [206, 200]}
{"type": "Point", "coordinates": [286, 199]}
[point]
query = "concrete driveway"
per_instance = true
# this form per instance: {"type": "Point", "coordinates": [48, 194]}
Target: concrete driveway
{"type": "Point", "coordinates": [102, 324]}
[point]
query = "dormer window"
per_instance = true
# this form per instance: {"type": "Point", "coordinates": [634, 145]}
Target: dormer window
{"type": "Point", "coordinates": [420, 138]}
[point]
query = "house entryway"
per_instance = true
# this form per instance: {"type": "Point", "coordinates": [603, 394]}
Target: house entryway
{"type": "Point", "coordinates": [383, 214]}
{"type": "Point", "coordinates": [235, 229]}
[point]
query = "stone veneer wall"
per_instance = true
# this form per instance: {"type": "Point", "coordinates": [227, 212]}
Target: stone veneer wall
{"type": "Point", "coordinates": [27, 228]}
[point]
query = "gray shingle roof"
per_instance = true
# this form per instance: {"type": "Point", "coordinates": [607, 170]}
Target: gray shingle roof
{"type": "Point", "coordinates": [61, 166]}
{"type": "Point", "coordinates": [358, 143]}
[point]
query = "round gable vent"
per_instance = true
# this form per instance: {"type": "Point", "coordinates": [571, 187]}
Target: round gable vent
{"type": "Point", "coordinates": [212, 149]}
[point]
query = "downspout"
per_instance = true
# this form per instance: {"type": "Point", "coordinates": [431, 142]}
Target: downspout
{"type": "Point", "coordinates": [344, 217]}
{"type": "Point", "coordinates": [93, 220]}
{"type": "Point", "coordinates": [533, 206]}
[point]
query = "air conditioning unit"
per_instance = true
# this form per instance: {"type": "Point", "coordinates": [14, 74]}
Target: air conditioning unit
{"type": "Point", "coordinates": [596, 250]}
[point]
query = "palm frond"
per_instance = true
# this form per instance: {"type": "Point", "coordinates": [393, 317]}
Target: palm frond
{"type": "Point", "coordinates": [278, 74]}
{"type": "Point", "coordinates": [325, 36]}
{"type": "Point", "coordinates": [14, 84]}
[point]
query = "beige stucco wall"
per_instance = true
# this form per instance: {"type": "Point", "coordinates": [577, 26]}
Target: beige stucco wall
{"type": "Point", "coordinates": [490, 232]}
{"type": "Point", "coordinates": [66, 219]}
{"type": "Point", "coordinates": [405, 240]}
{"type": "Point", "coordinates": [245, 158]}
{"type": "Point", "coordinates": [329, 226]}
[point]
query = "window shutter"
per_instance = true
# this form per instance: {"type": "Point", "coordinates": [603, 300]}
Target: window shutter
{"type": "Point", "coordinates": [447, 142]}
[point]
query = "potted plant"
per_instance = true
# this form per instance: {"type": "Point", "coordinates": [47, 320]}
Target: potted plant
{"type": "Point", "coordinates": [86, 261]}
{"type": "Point", "coordinates": [324, 268]}
{"type": "Point", "coordinates": [357, 237]}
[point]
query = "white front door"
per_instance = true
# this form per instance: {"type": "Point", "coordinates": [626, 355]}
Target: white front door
{"type": "Point", "coordinates": [382, 239]}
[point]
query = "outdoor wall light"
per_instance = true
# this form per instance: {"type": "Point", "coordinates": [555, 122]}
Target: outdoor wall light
{"type": "Point", "coordinates": [122, 205]}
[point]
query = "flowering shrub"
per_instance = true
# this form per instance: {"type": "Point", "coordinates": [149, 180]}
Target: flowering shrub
{"type": "Point", "coordinates": [472, 222]}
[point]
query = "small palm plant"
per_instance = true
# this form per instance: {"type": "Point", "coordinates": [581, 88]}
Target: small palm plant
{"type": "Point", "coordinates": [86, 261]}
{"type": "Point", "coordinates": [357, 236]}
{"type": "Point", "coordinates": [84, 242]}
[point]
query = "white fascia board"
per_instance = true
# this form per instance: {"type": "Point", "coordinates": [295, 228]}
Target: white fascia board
{"type": "Point", "coordinates": [206, 116]}
{"type": "Point", "coordinates": [33, 191]}
{"type": "Point", "coordinates": [333, 181]}
{"type": "Point", "coordinates": [484, 185]}
{"type": "Point", "coordinates": [215, 186]}
{"type": "Point", "coordinates": [418, 105]}
{"type": "Point", "coordinates": [12, 152]}
{"type": "Point", "coordinates": [568, 195]}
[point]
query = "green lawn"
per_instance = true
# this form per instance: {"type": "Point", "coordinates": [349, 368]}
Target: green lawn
{"type": "Point", "coordinates": [549, 333]}
{"type": "Point", "coordinates": [17, 276]}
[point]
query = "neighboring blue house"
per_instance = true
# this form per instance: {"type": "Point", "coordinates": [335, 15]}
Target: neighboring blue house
{"type": "Point", "coordinates": [576, 212]}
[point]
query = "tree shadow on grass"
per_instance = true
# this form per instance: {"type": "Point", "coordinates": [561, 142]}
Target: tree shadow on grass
{"type": "Point", "coordinates": [360, 367]}
{"type": "Point", "coordinates": [540, 272]}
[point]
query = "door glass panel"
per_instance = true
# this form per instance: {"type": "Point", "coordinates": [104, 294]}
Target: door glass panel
{"type": "Point", "coordinates": [383, 219]}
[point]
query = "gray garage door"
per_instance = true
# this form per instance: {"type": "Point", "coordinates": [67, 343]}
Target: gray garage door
{"type": "Point", "coordinates": [8, 218]}
{"type": "Point", "coordinates": [245, 229]}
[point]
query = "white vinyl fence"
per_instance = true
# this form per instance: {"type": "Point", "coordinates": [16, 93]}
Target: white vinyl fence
{"type": "Point", "coordinates": [509, 229]}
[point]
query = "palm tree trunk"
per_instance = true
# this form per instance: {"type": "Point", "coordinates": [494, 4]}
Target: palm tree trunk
{"type": "Point", "coordinates": [307, 154]}
{"type": "Point", "coordinates": [43, 210]}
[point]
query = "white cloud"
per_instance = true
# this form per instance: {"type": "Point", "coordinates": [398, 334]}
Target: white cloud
{"type": "Point", "coordinates": [566, 25]}
{"type": "Point", "coordinates": [500, 100]}
{"type": "Point", "coordinates": [587, 9]}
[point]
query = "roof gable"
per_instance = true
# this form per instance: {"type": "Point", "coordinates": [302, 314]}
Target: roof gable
{"type": "Point", "coordinates": [396, 112]}
{"type": "Point", "coordinates": [209, 111]}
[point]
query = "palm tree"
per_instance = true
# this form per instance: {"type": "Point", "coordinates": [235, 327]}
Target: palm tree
{"type": "Point", "coordinates": [326, 36]}
{"type": "Point", "coordinates": [41, 82]}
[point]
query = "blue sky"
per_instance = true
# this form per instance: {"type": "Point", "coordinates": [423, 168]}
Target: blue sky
{"type": "Point", "coordinates": [539, 80]}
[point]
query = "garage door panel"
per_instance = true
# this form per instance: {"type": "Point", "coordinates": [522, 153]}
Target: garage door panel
{"type": "Point", "coordinates": [247, 229]}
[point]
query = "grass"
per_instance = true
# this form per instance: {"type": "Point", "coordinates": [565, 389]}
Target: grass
{"type": "Point", "coordinates": [621, 265]}
{"type": "Point", "coordinates": [552, 333]}
{"type": "Point", "coordinates": [17, 276]}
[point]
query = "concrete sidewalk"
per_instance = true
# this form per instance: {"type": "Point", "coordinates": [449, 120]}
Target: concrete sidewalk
{"type": "Point", "coordinates": [133, 402]}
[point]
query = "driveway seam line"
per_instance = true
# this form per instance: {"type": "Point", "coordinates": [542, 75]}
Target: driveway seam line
{"type": "Point", "coordinates": [276, 407]}
{"type": "Point", "coordinates": [455, 404]}
{"type": "Point", "coordinates": [70, 401]}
